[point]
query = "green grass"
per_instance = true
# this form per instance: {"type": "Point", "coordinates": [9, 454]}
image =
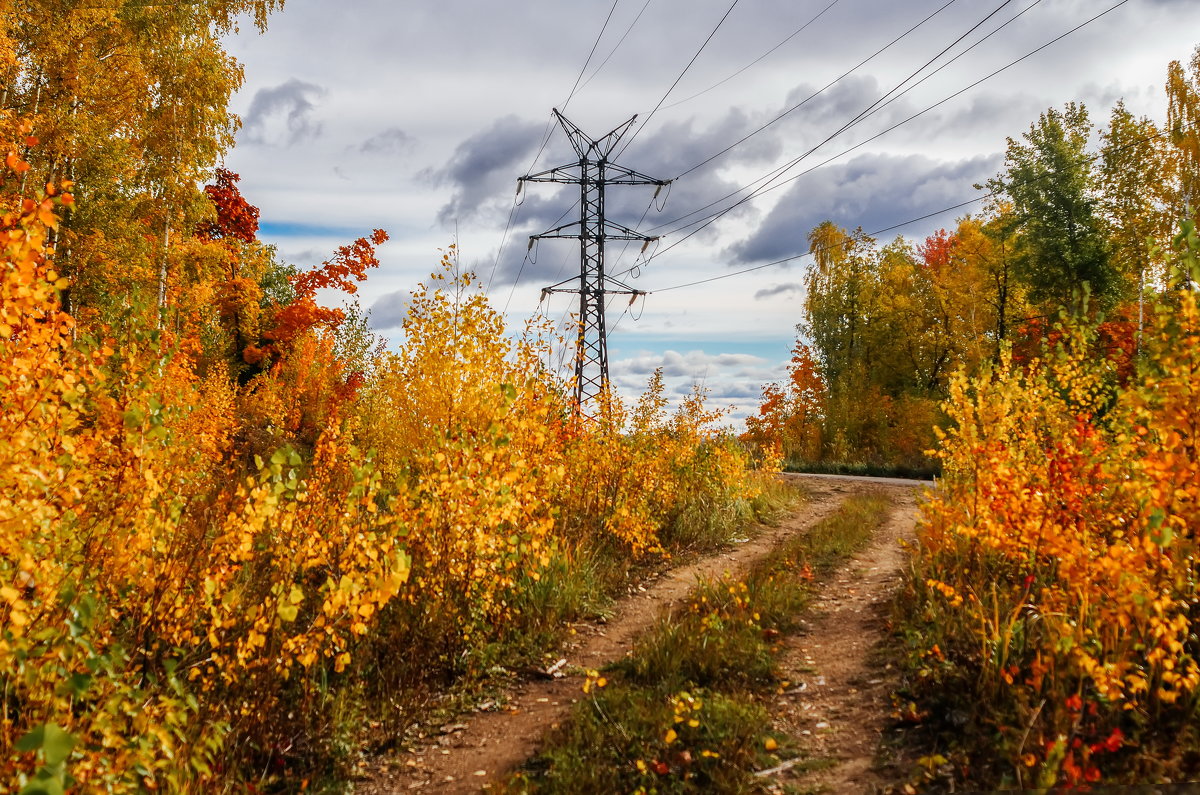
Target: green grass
{"type": "Point", "coordinates": [703, 522]}
{"type": "Point", "coordinates": [578, 585]}
{"type": "Point", "coordinates": [684, 712]}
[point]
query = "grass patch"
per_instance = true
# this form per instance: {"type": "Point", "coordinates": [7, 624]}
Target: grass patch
{"type": "Point", "coordinates": [579, 584]}
{"type": "Point", "coordinates": [684, 713]}
{"type": "Point", "coordinates": [703, 522]}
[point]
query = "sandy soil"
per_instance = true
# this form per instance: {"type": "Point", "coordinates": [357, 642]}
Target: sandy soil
{"type": "Point", "coordinates": [480, 747]}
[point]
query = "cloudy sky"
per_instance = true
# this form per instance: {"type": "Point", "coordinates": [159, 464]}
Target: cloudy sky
{"type": "Point", "coordinates": [418, 117]}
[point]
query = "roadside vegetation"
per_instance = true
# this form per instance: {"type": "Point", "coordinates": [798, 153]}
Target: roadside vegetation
{"type": "Point", "coordinates": [209, 565]}
{"type": "Point", "coordinates": [684, 712]}
{"type": "Point", "coordinates": [1041, 357]}
{"type": "Point", "coordinates": [1050, 617]}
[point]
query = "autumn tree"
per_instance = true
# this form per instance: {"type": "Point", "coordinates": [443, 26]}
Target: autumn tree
{"type": "Point", "coordinates": [884, 329]}
{"type": "Point", "coordinates": [130, 102]}
{"type": "Point", "coordinates": [839, 293]}
{"type": "Point", "coordinates": [1051, 183]}
{"type": "Point", "coordinates": [1136, 177]}
{"type": "Point", "coordinates": [920, 325]}
{"type": "Point", "coordinates": [987, 295]}
{"type": "Point", "coordinates": [230, 283]}
{"type": "Point", "coordinates": [791, 416]}
{"type": "Point", "coordinates": [1183, 125]}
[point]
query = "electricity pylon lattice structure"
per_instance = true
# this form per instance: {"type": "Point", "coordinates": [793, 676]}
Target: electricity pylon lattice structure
{"type": "Point", "coordinates": [592, 173]}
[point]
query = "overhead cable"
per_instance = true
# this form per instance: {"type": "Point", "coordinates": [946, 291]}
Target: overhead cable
{"type": "Point", "coordinates": [983, 197]}
{"type": "Point", "coordinates": [819, 91]}
{"type": "Point", "coordinates": [767, 188]}
{"type": "Point", "coordinates": [790, 36]}
{"type": "Point", "coordinates": [512, 213]}
{"type": "Point", "coordinates": [617, 46]}
{"type": "Point", "coordinates": [720, 22]}
{"type": "Point", "coordinates": [780, 169]}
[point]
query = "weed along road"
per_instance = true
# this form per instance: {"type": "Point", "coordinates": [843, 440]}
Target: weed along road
{"type": "Point", "coordinates": [827, 702]}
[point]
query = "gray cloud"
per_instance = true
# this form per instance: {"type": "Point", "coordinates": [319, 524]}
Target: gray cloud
{"type": "Point", "coordinates": [693, 364]}
{"type": "Point", "coordinates": [729, 378]}
{"type": "Point", "coordinates": [485, 167]}
{"type": "Point", "coordinates": [389, 310]}
{"type": "Point", "coordinates": [282, 115]}
{"type": "Point", "coordinates": [392, 142]}
{"type": "Point", "coordinates": [836, 105]}
{"type": "Point", "coordinates": [308, 258]}
{"type": "Point", "coordinates": [994, 114]}
{"type": "Point", "coordinates": [787, 288]}
{"type": "Point", "coordinates": [721, 391]}
{"type": "Point", "coordinates": [873, 191]}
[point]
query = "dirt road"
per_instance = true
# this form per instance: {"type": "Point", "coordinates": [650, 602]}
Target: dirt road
{"type": "Point", "coordinates": [839, 698]}
{"type": "Point", "coordinates": [843, 704]}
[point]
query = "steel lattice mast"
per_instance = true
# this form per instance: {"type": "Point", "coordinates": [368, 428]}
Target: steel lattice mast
{"type": "Point", "coordinates": [593, 173]}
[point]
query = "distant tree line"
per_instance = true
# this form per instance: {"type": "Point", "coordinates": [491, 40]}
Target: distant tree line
{"type": "Point", "coordinates": [1081, 220]}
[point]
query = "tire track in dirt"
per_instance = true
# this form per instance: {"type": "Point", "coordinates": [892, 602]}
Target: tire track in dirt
{"type": "Point", "coordinates": [838, 703]}
{"type": "Point", "coordinates": [479, 748]}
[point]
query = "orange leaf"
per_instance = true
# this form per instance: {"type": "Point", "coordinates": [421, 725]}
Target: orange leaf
{"type": "Point", "coordinates": [15, 163]}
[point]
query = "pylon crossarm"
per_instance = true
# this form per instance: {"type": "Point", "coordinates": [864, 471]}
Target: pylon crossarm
{"type": "Point", "coordinates": [555, 232]}
{"type": "Point", "coordinates": [604, 145]}
{"type": "Point", "coordinates": [616, 174]}
{"type": "Point", "coordinates": [576, 136]}
{"type": "Point", "coordinates": [626, 289]}
{"type": "Point", "coordinates": [561, 174]}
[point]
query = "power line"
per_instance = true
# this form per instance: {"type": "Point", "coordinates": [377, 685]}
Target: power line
{"type": "Point", "coordinates": [781, 169]}
{"type": "Point", "coordinates": [778, 172]}
{"type": "Point", "coordinates": [916, 72]}
{"type": "Point", "coordinates": [987, 36]}
{"type": "Point", "coordinates": [761, 190]}
{"type": "Point", "coordinates": [984, 197]}
{"type": "Point", "coordinates": [795, 107]}
{"type": "Point", "coordinates": [866, 112]}
{"type": "Point", "coordinates": [721, 22]}
{"type": "Point", "coordinates": [790, 36]}
{"type": "Point", "coordinates": [816, 93]}
{"type": "Point", "coordinates": [546, 133]}
{"type": "Point", "coordinates": [743, 69]}
{"type": "Point", "coordinates": [592, 53]}
{"type": "Point", "coordinates": [617, 46]}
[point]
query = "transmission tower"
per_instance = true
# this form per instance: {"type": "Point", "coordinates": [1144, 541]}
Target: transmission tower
{"type": "Point", "coordinates": [592, 173]}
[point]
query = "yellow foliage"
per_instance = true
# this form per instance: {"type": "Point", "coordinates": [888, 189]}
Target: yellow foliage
{"type": "Point", "coordinates": [1057, 557]}
{"type": "Point", "coordinates": [168, 598]}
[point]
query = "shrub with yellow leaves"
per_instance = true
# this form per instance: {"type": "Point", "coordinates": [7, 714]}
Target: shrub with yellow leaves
{"type": "Point", "coordinates": [152, 605]}
{"type": "Point", "coordinates": [199, 576]}
{"type": "Point", "coordinates": [1056, 564]}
